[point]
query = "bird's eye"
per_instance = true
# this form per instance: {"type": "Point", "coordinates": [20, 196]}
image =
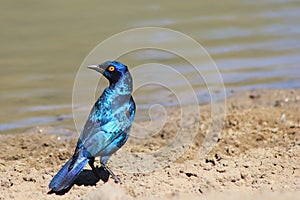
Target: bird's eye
{"type": "Point", "coordinates": [111, 68]}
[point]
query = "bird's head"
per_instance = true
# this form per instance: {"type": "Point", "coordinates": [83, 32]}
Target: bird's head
{"type": "Point", "coordinates": [112, 70]}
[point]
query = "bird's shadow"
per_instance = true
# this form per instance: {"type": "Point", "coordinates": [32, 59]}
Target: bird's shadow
{"type": "Point", "coordinates": [86, 178]}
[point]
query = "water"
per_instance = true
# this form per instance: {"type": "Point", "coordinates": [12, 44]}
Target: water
{"type": "Point", "coordinates": [255, 44]}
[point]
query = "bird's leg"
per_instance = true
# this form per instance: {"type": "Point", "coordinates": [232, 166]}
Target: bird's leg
{"type": "Point", "coordinates": [103, 161]}
{"type": "Point", "coordinates": [91, 163]}
{"type": "Point", "coordinates": [115, 177]}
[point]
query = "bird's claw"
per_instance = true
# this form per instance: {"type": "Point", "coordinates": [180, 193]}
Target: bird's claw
{"type": "Point", "coordinates": [115, 177]}
{"type": "Point", "coordinates": [117, 180]}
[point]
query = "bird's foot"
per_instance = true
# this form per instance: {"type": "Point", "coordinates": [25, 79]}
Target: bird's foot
{"type": "Point", "coordinates": [115, 177]}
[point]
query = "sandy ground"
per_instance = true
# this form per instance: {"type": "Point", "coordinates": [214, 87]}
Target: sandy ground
{"type": "Point", "coordinates": [257, 156]}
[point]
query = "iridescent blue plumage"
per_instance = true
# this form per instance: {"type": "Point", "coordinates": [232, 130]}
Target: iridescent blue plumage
{"type": "Point", "coordinates": [107, 128]}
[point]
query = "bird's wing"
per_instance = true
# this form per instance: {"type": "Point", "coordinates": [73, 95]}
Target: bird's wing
{"type": "Point", "coordinates": [109, 128]}
{"type": "Point", "coordinates": [98, 117]}
{"type": "Point", "coordinates": [104, 128]}
{"type": "Point", "coordinates": [98, 139]}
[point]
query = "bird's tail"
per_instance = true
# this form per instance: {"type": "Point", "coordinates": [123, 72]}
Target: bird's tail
{"type": "Point", "coordinates": [68, 173]}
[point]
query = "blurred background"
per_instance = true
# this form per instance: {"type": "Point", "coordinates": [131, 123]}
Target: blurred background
{"type": "Point", "coordinates": [255, 44]}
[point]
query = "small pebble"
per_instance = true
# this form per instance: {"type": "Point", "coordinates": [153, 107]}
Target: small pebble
{"type": "Point", "coordinates": [274, 130]}
{"type": "Point", "coordinates": [221, 170]}
{"type": "Point", "coordinates": [282, 118]}
{"type": "Point", "coordinates": [254, 95]}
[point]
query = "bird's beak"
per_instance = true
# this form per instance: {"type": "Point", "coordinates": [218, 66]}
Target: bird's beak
{"type": "Point", "coordinates": [97, 68]}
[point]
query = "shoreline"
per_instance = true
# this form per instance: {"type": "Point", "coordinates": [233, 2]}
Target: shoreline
{"type": "Point", "coordinates": [258, 152]}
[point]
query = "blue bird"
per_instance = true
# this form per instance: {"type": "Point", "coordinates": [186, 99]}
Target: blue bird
{"type": "Point", "coordinates": [106, 129]}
